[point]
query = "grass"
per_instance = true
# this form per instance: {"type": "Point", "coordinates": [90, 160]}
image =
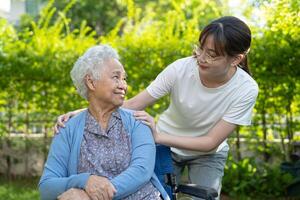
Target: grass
{"type": "Point", "coordinates": [19, 189]}
{"type": "Point", "coordinates": [26, 189]}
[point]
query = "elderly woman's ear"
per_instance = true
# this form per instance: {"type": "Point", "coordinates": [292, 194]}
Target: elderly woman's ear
{"type": "Point", "coordinates": [89, 82]}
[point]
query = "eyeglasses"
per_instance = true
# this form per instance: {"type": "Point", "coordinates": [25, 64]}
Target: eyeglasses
{"type": "Point", "coordinates": [197, 52]}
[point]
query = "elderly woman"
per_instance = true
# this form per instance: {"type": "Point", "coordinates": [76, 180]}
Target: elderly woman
{"type": "Point", "coordinates": [103, 152]}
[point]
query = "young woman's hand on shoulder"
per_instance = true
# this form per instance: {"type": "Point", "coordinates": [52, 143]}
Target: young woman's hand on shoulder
{"type": "Point", "coordinates": [148, 120]}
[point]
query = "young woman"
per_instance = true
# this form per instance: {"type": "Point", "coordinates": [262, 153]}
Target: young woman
{"type": "Point", "coordinates": [211, 94]}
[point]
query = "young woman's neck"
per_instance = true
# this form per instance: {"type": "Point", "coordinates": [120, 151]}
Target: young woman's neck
{"type": "Point", "coordinates": [101, 112]}
{"type": "Point", "coordinates": [217, 81]}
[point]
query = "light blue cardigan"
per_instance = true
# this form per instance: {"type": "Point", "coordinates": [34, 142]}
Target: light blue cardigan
{"type": "Point", "coordinates": [60, 172]}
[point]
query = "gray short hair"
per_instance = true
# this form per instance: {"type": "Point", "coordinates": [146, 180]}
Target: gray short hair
{"type": "Point", "coordinates": [89, 64]}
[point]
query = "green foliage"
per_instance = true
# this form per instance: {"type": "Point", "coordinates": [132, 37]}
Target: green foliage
{"type": "Point", "coordinates": [19, 189]}
{"type": "Point", "coordinates": [274, 60]}
{"type": "Point", "coordinates": [247, 179]}
{"type": "Point", "coordinates": [102, 15]}
{"type": "Point", "coordinates": [35, 65]}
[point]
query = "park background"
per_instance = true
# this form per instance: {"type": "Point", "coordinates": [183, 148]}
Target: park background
{"type": "Point", "coordinates": [37, 53]}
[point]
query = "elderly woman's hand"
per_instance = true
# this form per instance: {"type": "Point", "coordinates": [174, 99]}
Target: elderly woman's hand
{"type": "Point", "coordinates": [148, 120]}
{"type": "Point", "coordinates": [100, 188]}
{"type": "Point", "coordinates": [74, 194]}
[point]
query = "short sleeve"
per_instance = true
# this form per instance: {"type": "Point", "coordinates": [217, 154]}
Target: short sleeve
{"type": "Point", "coordinates": [240, 112]}
{"type": "Point", "coordinates": [163, 83]}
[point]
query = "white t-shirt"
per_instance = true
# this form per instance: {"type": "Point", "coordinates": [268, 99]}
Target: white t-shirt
{"type": "Point", "coordinates": [194, 109]}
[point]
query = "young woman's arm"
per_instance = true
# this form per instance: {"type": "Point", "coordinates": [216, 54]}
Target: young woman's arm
{"type": "Point", "coordinates": [140, 101]}
{"type": "Point", "coordinates": [203, 143]}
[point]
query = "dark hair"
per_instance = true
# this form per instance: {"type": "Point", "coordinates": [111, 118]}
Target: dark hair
{"type": "Point", "coordinates": [231, 36]}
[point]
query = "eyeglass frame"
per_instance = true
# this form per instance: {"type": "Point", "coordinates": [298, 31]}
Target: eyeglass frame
{"type": "Point", "coordinates": [207, 58]}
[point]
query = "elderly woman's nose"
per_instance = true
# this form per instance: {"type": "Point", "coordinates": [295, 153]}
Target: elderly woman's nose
{"type": "Point", "coordinates": [122, 84]}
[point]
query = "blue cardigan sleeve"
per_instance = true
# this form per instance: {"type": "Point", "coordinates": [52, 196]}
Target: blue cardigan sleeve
{"type": "Point", "coordinates": [56, 177]}
{"type": "Point", "coordinates": [142, 163]}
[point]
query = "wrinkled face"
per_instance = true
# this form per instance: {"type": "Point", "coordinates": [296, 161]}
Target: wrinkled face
{"type": "Point", "coordinates": [210, 63]}
{"type": "Point", "coordinates": [111, 88]}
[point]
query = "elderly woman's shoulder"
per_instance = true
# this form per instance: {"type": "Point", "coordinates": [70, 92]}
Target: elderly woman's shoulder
{"type": "Point", "coordinates": [76, 120]}
{"type": "Point", "coordinates": [128, 119]}
{"type": "Point", "coordinates": [127, 116]}
{"type": "Point", "coordinates": [126, 112]}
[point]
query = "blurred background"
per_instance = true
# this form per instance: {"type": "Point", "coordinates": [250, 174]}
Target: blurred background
{"type": "Point", "coordinates": [40, 41]}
